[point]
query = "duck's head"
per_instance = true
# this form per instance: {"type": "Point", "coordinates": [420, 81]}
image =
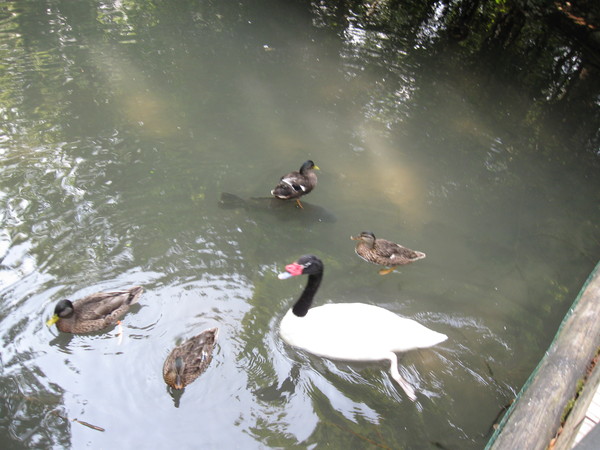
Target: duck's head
{"type": "Point", "coordinates": [305, 265]}
{"type": "Point", "coordinates": [365, 236]}
{"type": "Point", "coordinates": [308, 165]}
{"type": "Point", "coordinates": [63, 310]}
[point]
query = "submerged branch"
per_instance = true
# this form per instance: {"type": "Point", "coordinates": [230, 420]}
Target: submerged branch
{"type": "Point", "coordinates": [89, 425]}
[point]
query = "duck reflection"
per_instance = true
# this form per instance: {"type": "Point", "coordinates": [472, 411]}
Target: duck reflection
{"type": "Point", "coordinates": [284, 211]}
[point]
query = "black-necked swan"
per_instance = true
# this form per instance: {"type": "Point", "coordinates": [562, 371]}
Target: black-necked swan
{"type": "Point", "coordinates": [350, 331]}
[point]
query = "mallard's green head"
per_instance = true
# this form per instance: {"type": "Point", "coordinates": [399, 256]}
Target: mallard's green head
{"type": "Point", "coordinates": [63, 310]}
{"type": "Point", "coordinates": [308, 165]}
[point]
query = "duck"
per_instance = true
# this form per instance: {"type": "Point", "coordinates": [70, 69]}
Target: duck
{"type": "Point", "coordinates": [189, 360]}
{"type": "Point", "coordinates": [350, 331]}
{"type": "Point", "coordinates": [383, 252]}
{"type": "Point", "coordinates": [296, 184]}
{"type": "Point", "coordinates": [94, 312]}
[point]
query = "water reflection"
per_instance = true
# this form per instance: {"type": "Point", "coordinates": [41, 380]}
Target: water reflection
{"type": "Point", "coordinates": [121, 126]}
{"type": "Point", "coordinates": [278, 209]}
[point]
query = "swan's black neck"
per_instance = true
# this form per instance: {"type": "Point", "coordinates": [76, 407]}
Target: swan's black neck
{"type": "Point", "coordinates": [303, 303]}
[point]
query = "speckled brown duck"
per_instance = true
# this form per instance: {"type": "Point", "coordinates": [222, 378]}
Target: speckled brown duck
{"type": "Point", "coordinates": [94, 312]}
{"type": "Point", "coordinates": [296, 184]}
{"type": "Point", "coordinates": [384, 253]}
{"type": "Point", "coordinates": [189, 360]}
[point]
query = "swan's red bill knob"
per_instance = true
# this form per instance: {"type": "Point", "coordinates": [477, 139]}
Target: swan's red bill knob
{"type": "Point", "coordinates": [294, 269]}
{"type": "Point", "coordinates": [291, 270]}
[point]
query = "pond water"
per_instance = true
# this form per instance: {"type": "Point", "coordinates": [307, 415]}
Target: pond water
{"type": "Point", "coordinates": [121, 126]}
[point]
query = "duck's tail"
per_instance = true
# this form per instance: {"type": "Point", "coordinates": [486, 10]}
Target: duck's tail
{"type": "Point", "coordinates": [134, 294]}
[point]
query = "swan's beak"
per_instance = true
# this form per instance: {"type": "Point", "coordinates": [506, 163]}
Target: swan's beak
{"type": "Point", "coordinates": [291, 270]}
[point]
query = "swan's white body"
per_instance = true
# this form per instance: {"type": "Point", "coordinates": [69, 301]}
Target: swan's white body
{"type": "Point", "coordinates": [354, 331]}
{"type": "Point", "coordinates": [358, 332]}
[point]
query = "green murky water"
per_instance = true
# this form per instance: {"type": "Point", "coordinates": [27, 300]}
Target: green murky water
{"type": "Point", "coordinates": [122, 124]}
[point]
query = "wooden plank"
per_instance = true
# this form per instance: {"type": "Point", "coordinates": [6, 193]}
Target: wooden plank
{"type": "Point", "coordinates": [580, 420]}
{"type": "Point", "coordinates": [534, 418]}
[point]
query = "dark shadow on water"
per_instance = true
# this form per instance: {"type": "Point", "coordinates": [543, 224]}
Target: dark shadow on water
{"type": "Point", "coordinates": [284, 210]}
{"type": "Point", "coordinates": [276, 392]}
{"type": "Point", "coordinates": [62, 341]}
{"type": "Point", "coordinates": [176, 395]}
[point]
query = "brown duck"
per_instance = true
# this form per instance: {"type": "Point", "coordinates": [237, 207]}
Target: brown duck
{"type": "Point", "coordinates": [296, 184]}
{"type": "Point", "coordinates": [190, 359]}
{"type": "Point", "coordinates": [94, 312]}
{"type": "Point", "coordinates": [384, 253]}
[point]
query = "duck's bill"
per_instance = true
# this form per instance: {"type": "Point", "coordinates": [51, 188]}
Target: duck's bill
{"type": "Point", "coordinates": [355, 238]}
{"type": "Point", "coordinates": [52, 320]}
{"type": "Point", "coordinates": [291, 270]}
{"type": "Point", "coordinates": [178, 381]}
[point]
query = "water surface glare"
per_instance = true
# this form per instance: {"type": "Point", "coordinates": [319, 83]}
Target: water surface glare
{"type": "Point", "coordinates": [119, 131]}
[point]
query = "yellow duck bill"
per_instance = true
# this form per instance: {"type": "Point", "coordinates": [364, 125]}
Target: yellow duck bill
{"type": "Point", "coordinates": [52, 320]}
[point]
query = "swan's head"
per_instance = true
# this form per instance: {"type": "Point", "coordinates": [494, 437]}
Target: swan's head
{"type": "Point", "coordinates": [305, 265]}
{"type": "Point", "coordinates": [365, 236]}
{"type": "Point", "coordinates": [308, 165]}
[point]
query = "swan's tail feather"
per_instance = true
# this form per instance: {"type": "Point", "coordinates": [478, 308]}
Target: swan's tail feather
{"type": "Point", "coordinates": [405, 385]}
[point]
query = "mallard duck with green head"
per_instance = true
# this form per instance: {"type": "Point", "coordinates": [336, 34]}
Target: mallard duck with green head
{"type": "Point", "coordinates": [189, 360]}
{"type": "Point", "coordinates": [384, 253]}
{"type": "Point", "coordinates": [296, 184]}
{"type": "Point", "coordinates": [94, 312]}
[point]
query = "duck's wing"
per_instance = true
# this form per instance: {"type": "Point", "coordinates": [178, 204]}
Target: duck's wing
{"type": "Point", "coordinates": [102, 304]}
{"type": "Point", "coordinates": [291, 185]}
{"type": "Point", "coordinates": [197, 353]}
{"type": "Point", "coordinates": [388, 249]}
{"type": "Point", "coordinates": [393, 251]}
{"type": "Point", "coordinates": [296, 184]}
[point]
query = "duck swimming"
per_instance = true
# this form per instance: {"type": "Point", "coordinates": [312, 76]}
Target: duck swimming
{"type": "Point", "coordinates": [384, 253]}
{"type": "Point", "coordinates": [350, 331]}
{"type": "Point", "coordinates": [94, 312]}
{"type": "Point", "coordinates": [296, 184]}
{"type": "Point", "coordinates": [189, 360]}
